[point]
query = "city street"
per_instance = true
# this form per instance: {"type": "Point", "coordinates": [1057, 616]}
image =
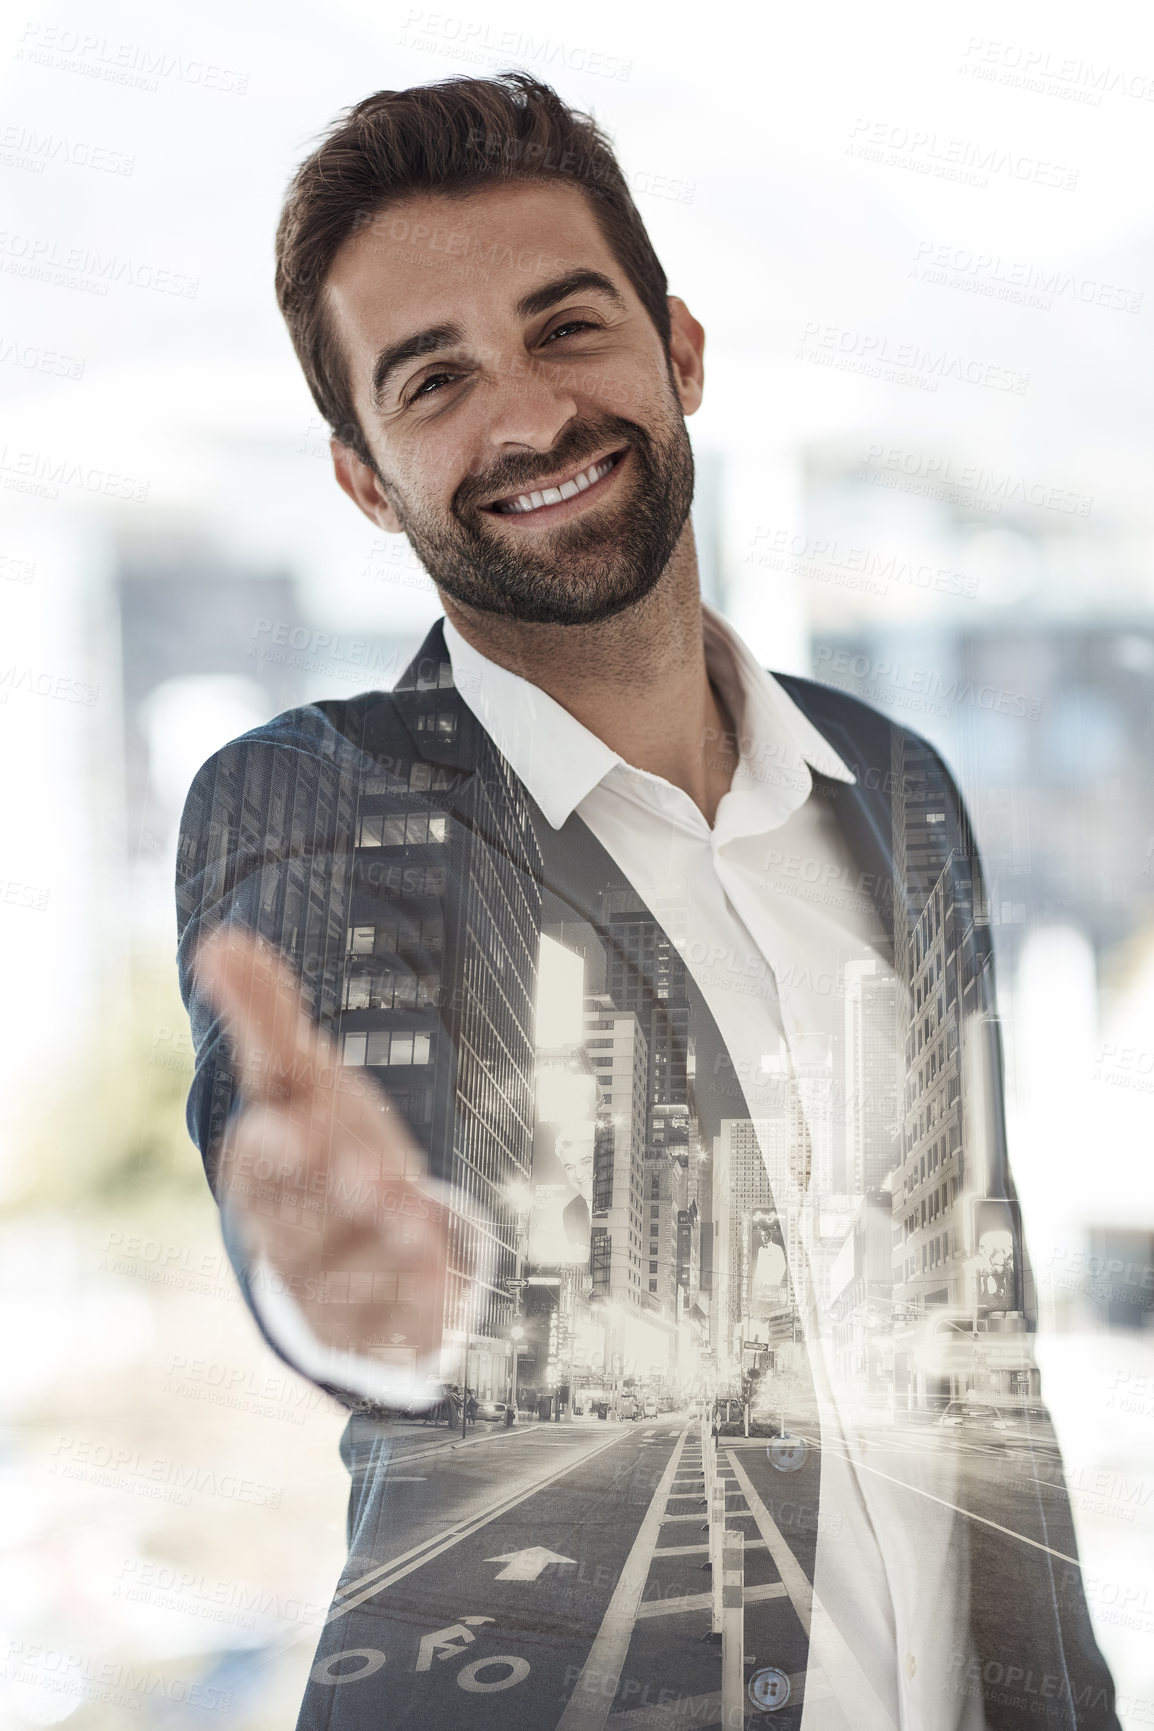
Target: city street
{"type": "Point", "coordinates": [554, 1576]}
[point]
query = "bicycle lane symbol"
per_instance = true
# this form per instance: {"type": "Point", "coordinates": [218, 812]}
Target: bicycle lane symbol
{"type": "Point", "coordinates": [437, 1647]}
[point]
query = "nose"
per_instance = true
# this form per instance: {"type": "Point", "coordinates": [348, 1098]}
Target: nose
{"type": "Point", "coordinates": [525, 409]}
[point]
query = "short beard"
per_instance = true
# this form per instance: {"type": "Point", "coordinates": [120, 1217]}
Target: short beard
{"type": "Point", "coordinates": [592, 570]}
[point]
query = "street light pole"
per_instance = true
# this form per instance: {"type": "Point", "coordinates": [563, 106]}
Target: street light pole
{"type": "Point", "coordinates": [572, 1290]}
{"type": "Point", "coordinates": [517, 1335]}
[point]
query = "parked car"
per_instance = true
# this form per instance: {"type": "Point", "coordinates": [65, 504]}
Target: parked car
{"type": "Point", "coordinates": [491, 1411]}
{"type": "Point", "coordinates": [973, 1415]}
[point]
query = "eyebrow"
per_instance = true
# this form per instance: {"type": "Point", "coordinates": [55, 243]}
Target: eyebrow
{"type": "Point", "coordinates": [437, 337]}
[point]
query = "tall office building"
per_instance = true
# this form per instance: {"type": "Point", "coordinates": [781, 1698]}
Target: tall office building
{"type": "Point", "coordinates": [929, 939]}
{"type": "Point", "coordinates": [872, 1077]}
{"type": "Point", "coordinates": [665, 1187]}
{"type": "Point", "coordinates": [646, 974]}
{"type": "Point", "coordinates": [619, 1056]}
{"type": "Point", "coordinates": [438, 1001]}
{"type": "Point", "coordinates": [759, 1169]}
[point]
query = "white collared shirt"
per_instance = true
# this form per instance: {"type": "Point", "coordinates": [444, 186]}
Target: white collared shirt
{"type": "Point", "coordinates": [767, 909]}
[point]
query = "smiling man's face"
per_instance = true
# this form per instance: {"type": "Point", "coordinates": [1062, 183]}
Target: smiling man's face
{"type": "Point", "coordinates": [526, 425]}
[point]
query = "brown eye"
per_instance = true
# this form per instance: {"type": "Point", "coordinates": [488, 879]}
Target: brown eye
{"type": "Point", "coordinates": [435, 380]}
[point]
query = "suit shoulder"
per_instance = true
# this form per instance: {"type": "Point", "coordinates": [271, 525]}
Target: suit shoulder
{"type": "Point", "coordinates": [860, 733]}
{"type": "Point", "coordinates": [333, 731]}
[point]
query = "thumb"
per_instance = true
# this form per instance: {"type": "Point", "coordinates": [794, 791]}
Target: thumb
{"type": "Point", "coordinates": [276, 1044]}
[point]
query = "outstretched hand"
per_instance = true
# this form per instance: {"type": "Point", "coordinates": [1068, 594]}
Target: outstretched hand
{"type": "Point", "coordinates": [321, 1172]}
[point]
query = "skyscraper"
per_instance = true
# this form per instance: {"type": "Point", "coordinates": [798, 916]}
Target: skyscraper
{"type": "Point", "coordinates": [438, 1000]}
{"type": "Point", "coordinates": [872, 1077]}
{"type": "Point", "coordinates": [619, 1055]}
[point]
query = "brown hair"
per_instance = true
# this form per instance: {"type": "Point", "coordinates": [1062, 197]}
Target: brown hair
{"type": "Point", "coordinates": [449, 137]}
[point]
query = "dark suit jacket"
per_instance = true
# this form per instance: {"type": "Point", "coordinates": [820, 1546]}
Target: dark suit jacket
{"type": "Point", "coordinates": [285, 830]}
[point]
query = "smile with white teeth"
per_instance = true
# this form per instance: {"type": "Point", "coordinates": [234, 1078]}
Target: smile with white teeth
{"type": "Point", "coordinates": [554, 495]}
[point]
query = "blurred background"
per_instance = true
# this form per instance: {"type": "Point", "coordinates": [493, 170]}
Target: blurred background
{"type": "Point", "coordinates": [922, 247]}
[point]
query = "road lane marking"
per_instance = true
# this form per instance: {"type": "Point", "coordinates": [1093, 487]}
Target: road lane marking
{"type": "Point", "coordinates": [795, 1578]}
{"type": "Point", "coordinates": [468, 1677]}
{"type": "Point", "coordinates": [527, 1565]}
{"type": "Point", "coordinates": [803, 1599]}
{"type": "Point", "coordinates": [983, 1520]}
{"type": "Point", "coordinates": [696, 1514]}
{"type": "Point", "coordinates": [386, 1574]}
{"type": "Point", "coordinates": [704, 1601]}
{"type": "Point", "coordinates": [449, 1446]}
{"type": "Point", "coordinates": [596, 1688]}
{"type": "Point", "coordinates": [448, 1643]}
{"type": "Point", "coordinates": [696, 1550]}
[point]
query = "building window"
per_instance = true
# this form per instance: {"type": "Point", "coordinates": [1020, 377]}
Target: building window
{"type": "Point", "coordinates": [443, 722]}
{"type": "Point", "coordinates": [385, 1046]}
{"type": "Point", "coordinates": [409, 829]}
{"type": "Point", "coordinates": [653, 1286]}
{"type": "Point", "coordinates": [391, 991]}
{"type": "Point", "coordinates": [360, 940]}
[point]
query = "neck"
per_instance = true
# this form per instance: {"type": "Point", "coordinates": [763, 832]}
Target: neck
{"type": "Point", "coordinates": [638, 681]}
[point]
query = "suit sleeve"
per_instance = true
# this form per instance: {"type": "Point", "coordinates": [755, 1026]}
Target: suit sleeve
{"type": "Point", "coordinates": [1034, 1648]}
{"type": "Point", "coordinates": [266, 842]}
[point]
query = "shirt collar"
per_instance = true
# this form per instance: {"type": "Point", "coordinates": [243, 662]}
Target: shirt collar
{"type": "Point", "coordinates": [560, 761]}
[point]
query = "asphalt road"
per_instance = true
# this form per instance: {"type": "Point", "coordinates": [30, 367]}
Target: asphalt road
{"type": "Point", "coordinates": [552, 1578]}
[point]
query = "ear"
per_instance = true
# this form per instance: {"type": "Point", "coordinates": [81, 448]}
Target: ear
{"type": "Point", "coordinates": [686, 354]}
{"type": "Point", "coordinates": [364, 488]}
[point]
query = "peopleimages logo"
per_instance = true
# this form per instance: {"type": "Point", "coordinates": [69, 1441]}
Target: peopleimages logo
{"type": "Point", "coordinates": [877, 355]}
{"type": "Point", "coordinates": [925, 151]}
{"type": "Point", "coordinates": [942, 477]}
{"type": "Point", "coordinates": [80, 267]}
{"type": "Point", "coordinates": [138, 65]}
{"type": "Point", "coordinates": [26, 147]}
{"type": "Point", "coordinates": [1018, 280]}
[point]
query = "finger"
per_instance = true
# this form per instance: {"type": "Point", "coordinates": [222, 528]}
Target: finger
{"type": "Point", "coordinates": [277, 1046]}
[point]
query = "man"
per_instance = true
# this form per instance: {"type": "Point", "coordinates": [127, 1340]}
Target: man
{"type": "Point", "coordinates": [769, 914]}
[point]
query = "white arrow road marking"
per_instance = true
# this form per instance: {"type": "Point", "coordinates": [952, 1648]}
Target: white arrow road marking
{"type": "Point", "coordinates": [386, 1575]}
{"type": "Point", "coordinates": [526, 1565]}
